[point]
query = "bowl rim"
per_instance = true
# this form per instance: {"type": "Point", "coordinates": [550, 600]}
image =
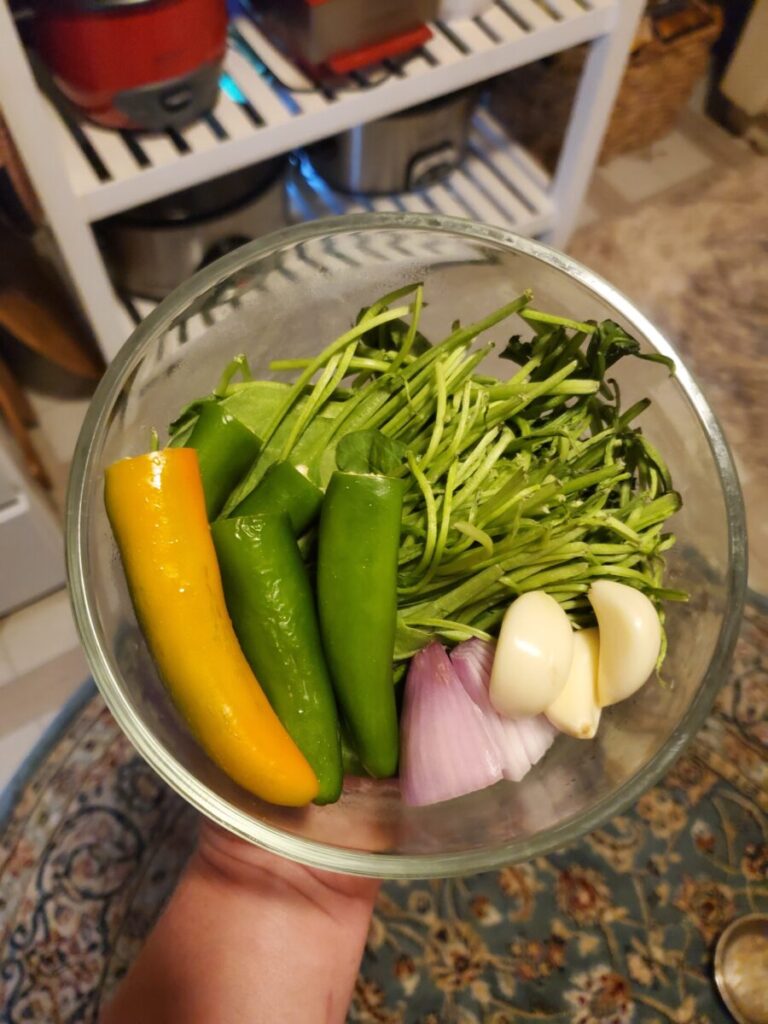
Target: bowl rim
{"type": "Point", "coordinates": [309, 851]}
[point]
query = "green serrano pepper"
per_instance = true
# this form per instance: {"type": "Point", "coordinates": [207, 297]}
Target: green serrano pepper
{"type": "Point", "coordinates": [226, 450]}
{"type": "Point", "coordinates": [284, 488]}
{"type": "Point", "coordinates": [358, 545]}
{"type": "Point", "coordinates": [349, 759]}
{"type": "Point", "coordinates": [270, 601]}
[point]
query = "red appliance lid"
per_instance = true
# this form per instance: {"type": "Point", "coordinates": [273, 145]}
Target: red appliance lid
{"type": "Point", "coordinates": [351, 60]}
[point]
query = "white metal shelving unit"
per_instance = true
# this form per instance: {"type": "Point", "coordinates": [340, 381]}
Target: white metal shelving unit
{"type": "Point", "coordinates": [497, 183]}
{"type": "Point", "coordinates": [84, 173]}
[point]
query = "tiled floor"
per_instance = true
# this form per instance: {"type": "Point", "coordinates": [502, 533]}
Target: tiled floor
{"type": "Point", "coordinates": [40, 660]}
{"type": "Point", "coordinates": [669, 162]}
{"type": "Point", "coordinates": [41, 665]}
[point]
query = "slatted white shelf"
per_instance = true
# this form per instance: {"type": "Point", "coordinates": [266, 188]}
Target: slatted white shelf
{"type": "Point", "coordinates": [268, 106]}
{"type": "Point", "coordinates": [497, 183]}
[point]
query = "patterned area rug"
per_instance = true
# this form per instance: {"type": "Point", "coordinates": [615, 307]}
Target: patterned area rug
{"type": "Point", "coordinates": [617, 928]}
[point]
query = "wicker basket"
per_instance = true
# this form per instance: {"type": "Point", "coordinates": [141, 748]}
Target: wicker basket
{"type": "Point", "coordinates": [535, 101]}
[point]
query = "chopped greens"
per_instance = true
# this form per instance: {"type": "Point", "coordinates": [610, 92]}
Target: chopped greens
{"type": "Point", "coordinates": [537, 482]}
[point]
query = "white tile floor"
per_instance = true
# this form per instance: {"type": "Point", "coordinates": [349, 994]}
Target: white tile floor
{"type": "Point", "coordinates": [7, 671]}
{"type": "Point", "coordinates": [40, 660]}
{"type": "Point", "coordinates": [38, 633]}
{"type": "Point", "coordinates": [16, 745]}
{"type": "Point", "coordinates": [637, 176]}
{"type": "Point", "coordinates": [41, 665]}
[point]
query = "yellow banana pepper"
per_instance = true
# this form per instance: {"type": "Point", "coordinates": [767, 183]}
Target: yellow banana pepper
{"type": "Point", "coordinates": [156, 506]}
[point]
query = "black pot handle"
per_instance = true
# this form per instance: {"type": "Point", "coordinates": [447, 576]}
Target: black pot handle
{"type": "Point", "coordinates": [221, 248]}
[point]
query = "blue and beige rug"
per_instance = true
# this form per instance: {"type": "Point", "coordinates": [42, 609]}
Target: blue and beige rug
{"type": "Point", "coordinates": [617, 928]}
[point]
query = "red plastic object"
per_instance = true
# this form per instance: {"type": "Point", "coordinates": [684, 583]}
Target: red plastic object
{"type": "Point", "coordinates": [343, 63]}
{"type": "Point", "coordinates": [97, 54]}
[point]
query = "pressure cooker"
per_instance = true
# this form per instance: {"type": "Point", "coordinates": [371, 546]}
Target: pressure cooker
{"type": "Point", "coordinates": [340, 36]}
{"type": "Point", "coordinates": [405, 151]}
{"type": "Point", "coordinates": [142, 64]}
{"type": "Point", "coordinates": [153, 248]}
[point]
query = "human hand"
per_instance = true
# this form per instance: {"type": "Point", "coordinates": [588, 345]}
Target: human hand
{"type": "Point", "coordinates": [250, 937]}
{"type": "Point", "coordinates": [240, 863]}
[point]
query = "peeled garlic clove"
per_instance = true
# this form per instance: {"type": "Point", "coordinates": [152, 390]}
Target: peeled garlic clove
{"type": "Point", "coordinates": [576, 711]}
{"type": "Point", "coordinates": [630, 639]}
{"type": "Point", "coordinates": [533, 656]}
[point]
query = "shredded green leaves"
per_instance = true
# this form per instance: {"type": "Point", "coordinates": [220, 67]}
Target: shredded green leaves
{"type": "Point", "coordinates": [540, 481]}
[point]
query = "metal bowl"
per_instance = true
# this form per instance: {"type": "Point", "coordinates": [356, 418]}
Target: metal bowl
{"type": "Point", "coordinates": [741, 968]}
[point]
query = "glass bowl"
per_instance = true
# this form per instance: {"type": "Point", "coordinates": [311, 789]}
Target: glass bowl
{"type": "Point", "coordinates": [288, 295]}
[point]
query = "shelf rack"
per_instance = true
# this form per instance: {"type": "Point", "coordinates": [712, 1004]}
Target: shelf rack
{"type": "Point", "coordinates": [497, 183]}
{"type": "Point", "coordinates": [267, 106]}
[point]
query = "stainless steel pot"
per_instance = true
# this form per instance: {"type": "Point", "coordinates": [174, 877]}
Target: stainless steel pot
{"type": "Point", "coordinates": [399, 153]}
{"type": "Point", "coordinates": [152, 249]}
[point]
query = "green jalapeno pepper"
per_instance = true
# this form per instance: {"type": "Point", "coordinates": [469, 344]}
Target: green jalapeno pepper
{"type": "Point", "coordinates": [284, 488]}
{"type": "Point", "coordinates": [270, 601]}
{"type": "Point", "coordinates": [358, 544]}
{"type": "Point", "coordinates": [226, 449]}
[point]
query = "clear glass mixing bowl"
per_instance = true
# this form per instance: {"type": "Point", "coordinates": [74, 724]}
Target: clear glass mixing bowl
{"type": "Point", "coordinates": [288, 295]}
